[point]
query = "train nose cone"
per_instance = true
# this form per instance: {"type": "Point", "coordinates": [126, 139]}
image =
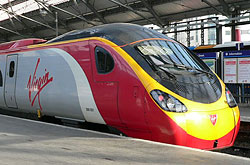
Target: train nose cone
{"type": "Point", "coordinates": [211, 128]}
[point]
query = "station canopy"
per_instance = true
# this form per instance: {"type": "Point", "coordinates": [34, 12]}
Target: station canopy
{"type": "Point", "coordinates": [46, 18]}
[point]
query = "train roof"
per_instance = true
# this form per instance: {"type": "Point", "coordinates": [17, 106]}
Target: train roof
{"type": "Point", "coordinates": [232, 44]}
{"type": "Point", "coordinates": [20, 43]}
{"type": "Point", "coordinates": [228, 46]}
{"type": "Point", "coordinates": [204, 47]}
{"type": "Point", "coordinates": [119, 33]}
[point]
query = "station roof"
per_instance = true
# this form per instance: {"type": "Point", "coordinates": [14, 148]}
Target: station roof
{"type": "Point", "coordinates": [37, 18]}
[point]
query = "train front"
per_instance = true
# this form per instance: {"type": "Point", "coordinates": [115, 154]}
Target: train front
{"type": "Point", "coordinates": [187, 104]}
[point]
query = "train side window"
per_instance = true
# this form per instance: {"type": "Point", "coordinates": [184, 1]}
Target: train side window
{"type": "Point", "coordinates": [12, 69]}
{"type": "Point", "coordinates": [104, 61]}
{"type": "Point", "coordinates": [1, 79]}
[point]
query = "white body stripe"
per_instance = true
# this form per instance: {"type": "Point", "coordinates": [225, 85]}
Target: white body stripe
{"type": "Point", "coordinates": [52, 80]}
{"type": "Point", "coordinates": [85, 95]}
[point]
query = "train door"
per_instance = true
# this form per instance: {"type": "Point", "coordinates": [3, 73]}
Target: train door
{"type": "Point", "coordinates": [105, 86]}
{"type": "Point", "coordinates": [10, 81]}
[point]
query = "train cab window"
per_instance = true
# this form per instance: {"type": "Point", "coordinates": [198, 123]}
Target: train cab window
{"type": "Point", "coordinates": [104, 61]}
{"type": "Point", "coordinates": [1, 79]}
{"type": "Point", "coordinates": [12, 69]}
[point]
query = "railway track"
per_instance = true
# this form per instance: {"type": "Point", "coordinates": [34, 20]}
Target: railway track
{"type": "Point", "coordinates": [237, 151]}
{"type": "Point", "coordinates": [242, 143]}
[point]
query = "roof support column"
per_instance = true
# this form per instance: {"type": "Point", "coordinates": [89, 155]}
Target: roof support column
{"type": "Point", "coordinates": [175, 31]}
{"type": "Point", "coordinates": [202, 33]}
{"type": "Point", "coordinates": [235, 32]}
{"type": "Point", "coordinates": [218, 34]}
{"type": "Point", "coordinates": [188, 34]}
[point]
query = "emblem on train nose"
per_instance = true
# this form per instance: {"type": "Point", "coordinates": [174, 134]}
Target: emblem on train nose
{"type": "Point", "coordinates": [37, 84]}
{"type": "Point", "coordinates": [213, 119]}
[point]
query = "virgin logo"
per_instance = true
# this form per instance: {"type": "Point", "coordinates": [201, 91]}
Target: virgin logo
{"type": "Point", "coordinates": [213, 119]}
{"type": "Point", "coordinates": [37, 84]}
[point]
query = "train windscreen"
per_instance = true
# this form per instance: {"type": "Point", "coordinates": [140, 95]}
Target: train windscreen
{"type": "Point", "coordinates": [161, 52]}
{"type": "Point", "coordinates": [180, 71]}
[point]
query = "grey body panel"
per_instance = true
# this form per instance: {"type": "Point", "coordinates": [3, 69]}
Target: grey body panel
{"type": "Point", "coordinates": [2, 70]}
{"type": "Point", "coordinates": [10, 81]}
{"type": "Point", "coordinates": [52, 81]}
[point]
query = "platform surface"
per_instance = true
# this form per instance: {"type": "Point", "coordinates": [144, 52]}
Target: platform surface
{"type": "Point", "coordinates": [26, 142]}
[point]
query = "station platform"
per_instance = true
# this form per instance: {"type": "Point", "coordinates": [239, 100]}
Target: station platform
{"type": "Point", "coordinates": [244, 112]}
{"type": "Point", "coordinates": [25, 141]}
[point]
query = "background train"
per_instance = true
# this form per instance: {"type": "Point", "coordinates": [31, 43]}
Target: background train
{"type": "Point", "coordinates": [126, 76]}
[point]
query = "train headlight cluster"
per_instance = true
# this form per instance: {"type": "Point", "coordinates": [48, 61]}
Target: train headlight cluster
{"type": "Point", "coordinates": [168, 102]}
{"type": "Point", "coordinates": [230, 99]}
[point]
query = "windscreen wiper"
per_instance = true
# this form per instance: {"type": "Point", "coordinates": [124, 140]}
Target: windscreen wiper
{"type": "Point", "coordinates": [151, 64]}
{"type": "Point", "coordinates": [192, 68]}
{"type": "Point", "coordinates": [157, 67]}
{"type": "Point", "coordinates": [187, 68]}
{"type": "Point", "coordinates": [170, 75]}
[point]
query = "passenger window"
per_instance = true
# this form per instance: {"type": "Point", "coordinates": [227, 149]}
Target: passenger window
{"type": "Point", "coordinates": [104, 61]}
{"type": "Point", "coordinates": [1, 79]}
{"type": "Point", "coordinates": [12, 69]}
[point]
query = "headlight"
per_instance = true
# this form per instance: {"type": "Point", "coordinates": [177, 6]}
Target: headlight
{"type": "Point", "coordinates": [230, 99]}
{"type": "Point", "coordinates": [168, 102]}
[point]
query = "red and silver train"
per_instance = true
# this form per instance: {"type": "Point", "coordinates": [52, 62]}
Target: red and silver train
{"type": "Point", "coordinates": [125, 76]}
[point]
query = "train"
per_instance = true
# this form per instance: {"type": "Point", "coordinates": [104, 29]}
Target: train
{"type": "Point", "coordinates": [125, 76]}
{"type": "Point", "coordinates": [227, 46]}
